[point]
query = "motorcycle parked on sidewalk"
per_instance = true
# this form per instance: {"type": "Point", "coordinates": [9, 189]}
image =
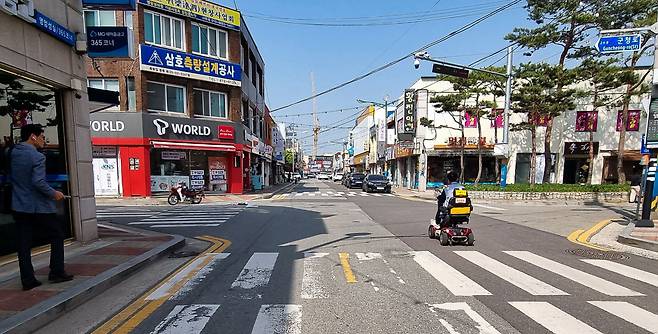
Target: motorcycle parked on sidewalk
{"type": "Point", "coordinates": [183, 194]}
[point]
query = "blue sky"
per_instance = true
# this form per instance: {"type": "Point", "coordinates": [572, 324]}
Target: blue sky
{"type": "Point", "coordinates": [337, 54]}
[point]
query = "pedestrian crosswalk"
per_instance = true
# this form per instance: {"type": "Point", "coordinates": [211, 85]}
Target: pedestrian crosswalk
{"type": "Point", "coordinates": [114, 213]}
{"type": "Point", "coordinates": [320, 274]}
{"type": "Point", "coordinates": [193, 216]}
{"type": "Point", "coordinates": [328, 194]}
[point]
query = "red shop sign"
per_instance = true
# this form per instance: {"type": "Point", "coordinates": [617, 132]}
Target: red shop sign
{"type": "Point", "coordinates": [226, 132]}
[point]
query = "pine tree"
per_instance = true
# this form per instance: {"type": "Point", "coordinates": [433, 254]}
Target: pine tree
{"type": "Point", "coordinates": [565, 24]}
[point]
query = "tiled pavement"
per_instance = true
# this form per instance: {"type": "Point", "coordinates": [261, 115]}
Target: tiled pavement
{"type": "Point", "coordinates": [114, 248]}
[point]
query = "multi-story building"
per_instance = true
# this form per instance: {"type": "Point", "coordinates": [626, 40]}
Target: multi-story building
{"type": "Point", "coordinates": [191, 100]}
{"type": "Point", "coordinates": [42, 80]}
{"type": "Point", "coordinates": [426, 154]}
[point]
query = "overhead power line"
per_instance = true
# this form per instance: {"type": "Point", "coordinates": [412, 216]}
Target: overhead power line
{"type": "Point", "coordinates": [425, 47]}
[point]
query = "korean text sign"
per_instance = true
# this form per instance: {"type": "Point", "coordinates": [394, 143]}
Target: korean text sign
{"type": "Point", "coordinates": [409, 111]}
{"type": "Point", "coordinates": [107, 42]}
{"type": "Point", "coordinates": [170, 62]}
{"type": "Point", "coordinates": [55, 29]}
{"type": "Point", "coordinates": [633, 120]}
{"type": "Point", "coordinates": [202, 10]}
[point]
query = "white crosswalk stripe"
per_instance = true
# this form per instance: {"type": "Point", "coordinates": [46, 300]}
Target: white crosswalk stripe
{"type": "Point", "coordinates": [591, 281]}
{"type": "Point", "coordinates": [282, 318]}
{"type": "Point", "coordinates": [553, 319]}
{"type": "Point", "coordinates": [312, 287]}
{"type": "Point", "coordinates": [520, 279]}
{"type": "Point", "coordinates": [631, 313]}
{"type": "Point", "coordinates": [202, 217]}
{"type": "Point", "coordinates": [186, 319]}
{"type": "Point", "coordinates": [630, 272]}
{"type": "Point", "coordinates": [257, 271]}
{"type": "Point", "coordinates": [458, 283]}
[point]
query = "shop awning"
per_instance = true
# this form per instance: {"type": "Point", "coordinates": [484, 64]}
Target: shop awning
{"type": "Point", "coordinates": [193, 146]}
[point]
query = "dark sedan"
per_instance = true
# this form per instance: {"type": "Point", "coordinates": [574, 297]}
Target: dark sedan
{"type": "Point", "coordinates": [356, 180]}
{"type": "Point", "coordinates": [376, 182]}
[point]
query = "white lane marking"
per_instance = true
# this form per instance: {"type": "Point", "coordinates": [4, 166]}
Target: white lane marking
{"type": "Point", "coordinates": [186, 225]}
{"type": "Point", "coordinates": [311, 194]}
{"type": "Point", "coordinates": [299, 194]}
{"type": "Point", "coordinates": [363, 194]}
{"type": "Point", "coordinates": [489, 207]}
{"type": "Point", "coordinates": [330, 192]}
{"type": "Point", "coordinates": [186, 319]}
{"type": "Point", "coordinates": [279, 319]}
{"type": "Point", "coordinates": [377, 195]}
{"type": "Point", "coordinates": [257, 271]}
{"type": "Point", "coordinates": [312, 287]}
{"type": "Point", "coordinates": [630, 272]}
{"type": "Point", "coordinates": [325, 194]}
{"type": "Point", "coordinates": [588, 280]}
{"type": "Point", "coordinates": [341, 193]}
{"type": "Point", "coordinates": [520, 279]}
{"type": "Point", "coordinates": [631, 313]}
{"type": "Point", "coordinates": [200, 275]}
{"type": "Point", "coordinates": [175, 221]}
{"type": "Point", "coordinates": [458, 283]}
{"type": "Point", "coordinates": [389, 195]}
{"type": "Point", "coordinates": [448, 326]}
{"type": "Point", "coordinates": [482, 325]}
{"type": "Point", "coordinates": [163, 290]}
{"type": "Point", "coordinates": [392, 271]}
{"type": "Point", "coordinates": [553, 319]}
{"type": "Point", "coordinates": [374, 286]}
{"type": "Point", "coordinates": [368, 256]}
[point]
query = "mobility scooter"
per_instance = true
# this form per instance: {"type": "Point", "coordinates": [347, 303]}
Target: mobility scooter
{"type": "Point", "coordinates": [449, 230]}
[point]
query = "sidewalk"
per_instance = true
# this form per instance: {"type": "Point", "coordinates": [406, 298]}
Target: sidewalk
{"type": "Point", "coordinates": [97, 266]}
{"type": "Point", "coordinates": [643, 237]}
{"type": "Point", "coordinates": [211, 198]}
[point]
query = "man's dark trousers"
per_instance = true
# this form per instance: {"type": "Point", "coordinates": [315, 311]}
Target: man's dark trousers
{"type": "Point", "coordinates": [25, 225]}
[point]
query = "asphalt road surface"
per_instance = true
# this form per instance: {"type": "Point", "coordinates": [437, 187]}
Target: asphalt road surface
{"type": "Point", "coordinates": [326, 259]}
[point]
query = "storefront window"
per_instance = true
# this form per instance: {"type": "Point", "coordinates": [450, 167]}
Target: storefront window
{"type": "Point", "coordinates": [206, 170]}
{"type": "Point", "coordinates": [24, 102]}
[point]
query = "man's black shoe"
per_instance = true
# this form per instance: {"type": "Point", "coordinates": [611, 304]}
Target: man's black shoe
{"type": "Point", "coordinates": [31, 285]}
{"type": "Point", "coordinates": [60, 278]}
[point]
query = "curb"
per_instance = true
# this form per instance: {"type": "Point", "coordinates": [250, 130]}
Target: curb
{"type": "Point", "coordinates": [280, 190]}
{"type": "Point", "coordinates": [626, 238]}
{"type": "Point", "coordinates": [39, 315]}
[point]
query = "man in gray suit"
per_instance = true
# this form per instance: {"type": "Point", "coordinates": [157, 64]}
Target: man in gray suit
{"type": "Point", "coordinates": [33, 205]}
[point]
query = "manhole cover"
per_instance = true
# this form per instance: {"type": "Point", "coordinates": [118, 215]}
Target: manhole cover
{"type": "Point", "coordinates": [595, 254]}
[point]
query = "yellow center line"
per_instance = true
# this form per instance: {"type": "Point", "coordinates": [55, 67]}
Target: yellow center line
{"type": "Point", "coordinates": [131, 316]}
{"type": "Point", "coordinates": [347, 270]}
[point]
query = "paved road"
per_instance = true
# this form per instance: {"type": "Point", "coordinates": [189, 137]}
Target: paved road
{"type": "Point", "coordinates": [350, 263]}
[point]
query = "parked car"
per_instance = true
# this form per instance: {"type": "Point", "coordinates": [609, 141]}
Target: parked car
{"type": "Point", "coordinates": [356, 180]}
{"type": "Point", "coordinates": [311, 176]}
{"type": "Point", "coordinates": [376, 182]}
{"type": "Point", "coordinates": [338, 177]}
{"type": "Point", "coordinates": [296, 176]}
{"type": "Point", "coordinates": [323, 176]}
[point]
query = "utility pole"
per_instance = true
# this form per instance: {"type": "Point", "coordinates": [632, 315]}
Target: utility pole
{"type": "Point", "coordinates": [508, 107]}
{"type": "Point", "coordinates": [316, 122]}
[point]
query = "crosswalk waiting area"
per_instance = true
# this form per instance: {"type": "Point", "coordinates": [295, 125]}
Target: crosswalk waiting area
{"type": "Point", "coordinates": [327, 194]}
{"type": "Point", "coordinates": [190, 216]}
{"type": "Point", "coordinates": [323, 274]}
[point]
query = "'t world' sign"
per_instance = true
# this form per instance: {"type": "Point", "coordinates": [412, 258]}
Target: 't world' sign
{"type": "Point", "coordinates": [610, 44]}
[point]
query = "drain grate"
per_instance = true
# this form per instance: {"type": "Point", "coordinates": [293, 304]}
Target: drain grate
{"type": "Point", "coordinates": [595, 254]}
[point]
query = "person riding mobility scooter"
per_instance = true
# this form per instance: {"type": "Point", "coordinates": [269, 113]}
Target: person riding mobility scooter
{"type": "Point", "coordinates": [454, 208]}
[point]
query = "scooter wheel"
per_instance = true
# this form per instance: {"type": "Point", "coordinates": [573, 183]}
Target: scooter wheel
{"type": "Point", "coordinates": [443, 239]}
{"type": "Point", "coordinates": [196, 200]}
{"type": "Point", "coordinates": [172, 199]}
{"type": "Point", "coordinates": [431, 233]}
{"type": "Point", "coordinates": [471, 239]}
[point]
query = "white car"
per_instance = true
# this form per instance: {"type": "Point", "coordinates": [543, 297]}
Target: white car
{"type": "Point", "coordinates": [323, 176]}
{"type": "Point", "coordinates": [338, 177]}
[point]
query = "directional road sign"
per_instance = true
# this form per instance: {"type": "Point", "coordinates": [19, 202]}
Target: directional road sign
{"type": "Point", "coordinates": [610, 44]}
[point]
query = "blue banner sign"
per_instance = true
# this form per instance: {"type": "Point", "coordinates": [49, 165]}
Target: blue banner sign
{"type": "Point", "coordinates": [109, 4]}
{"type": "Point", "coordinates": [57, 30]}
{"type": "Point", "coordinates": [107, 42]}
{"type": "Point", "coordinates": [610, 44]}
{"type": "Point", "coordinates": [176, 63]}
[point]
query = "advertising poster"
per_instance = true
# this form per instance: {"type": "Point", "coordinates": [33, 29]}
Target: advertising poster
{"type": "Point", "coordinates": [106, 176]}
{"type": "Point", "coordinates": [161, 183]}
{"type": "Point", "coordinates": [633, 120]}
{"type": "Point", "coordinates": [218, 175]}
{"type": "Point", "coordinates": [586, 121]}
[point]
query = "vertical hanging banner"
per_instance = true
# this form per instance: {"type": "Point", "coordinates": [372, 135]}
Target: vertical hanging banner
{"type": "Point", "coordinates": [409, 111]}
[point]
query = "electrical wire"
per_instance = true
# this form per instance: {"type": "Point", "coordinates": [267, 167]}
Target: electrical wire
{"type": "Point", "coordinates": [383, 67]}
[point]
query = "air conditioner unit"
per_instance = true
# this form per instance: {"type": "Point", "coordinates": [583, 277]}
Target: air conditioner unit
{"type": "Point", "coordinates": [9, 6]}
